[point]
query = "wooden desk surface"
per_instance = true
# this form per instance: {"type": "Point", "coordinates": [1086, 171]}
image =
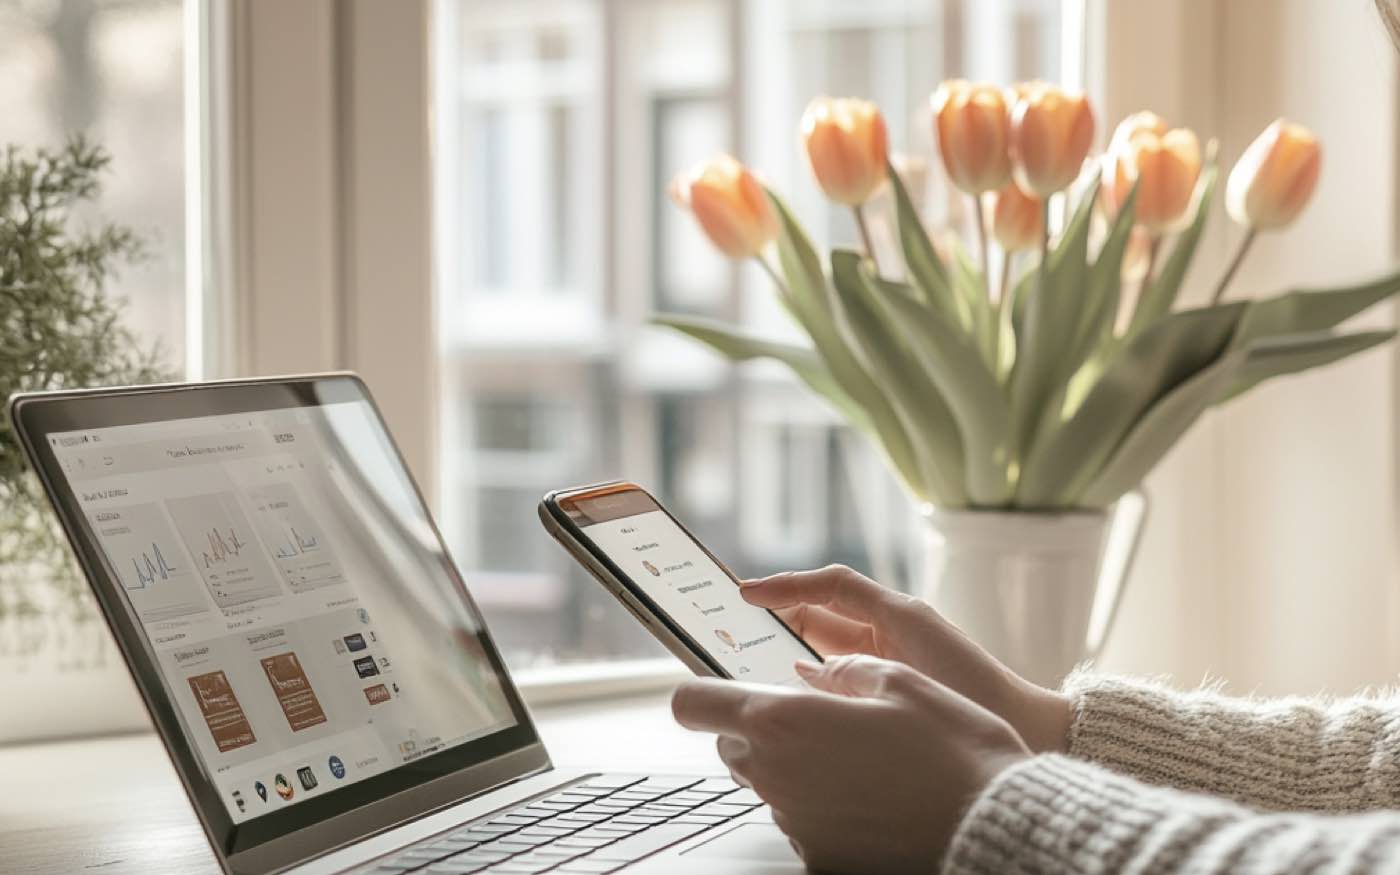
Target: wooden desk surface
{"type": "Point", "coordinates": [114, 806]}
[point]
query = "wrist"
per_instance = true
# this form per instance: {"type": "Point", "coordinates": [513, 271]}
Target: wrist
{"type": "Point", "coordinates": [1047, 718]}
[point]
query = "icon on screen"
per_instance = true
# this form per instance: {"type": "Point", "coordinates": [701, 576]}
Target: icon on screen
{"type": "Point", "coordinates": [308, 778]}
{"type": "Point", "coordinates": [363, 615]}
{"type": "Point", "coordinates": [238, 800]}
{"type": "Point", "coordinates": [261, 789]}
{"type": "Point", "coordinates": [339, 645]}
{"type": "Point", "coordinates": [355, 642]}
{"type": "Point", "coordinates": [727, 639]}
{"type": "Point", "coordinates": [365, 667]}
{"type": "Point", "coordinates": [337, 767]}
{"type": "Point", "coordinates": [284, 787]}
{"type": "Point", "coordinates": [655, 572]}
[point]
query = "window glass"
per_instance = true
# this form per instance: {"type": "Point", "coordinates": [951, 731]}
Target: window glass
{"type": "Point", "coordinates": [561, 123]}
{"type": "Point", "coordinates": [113, 71]}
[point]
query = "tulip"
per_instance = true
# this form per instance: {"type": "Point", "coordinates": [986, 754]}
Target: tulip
{"type": "Point", "coordinates": [1270, 185]}
{"type": "Point", "coordinates": [1118, 150]}
{"type": "Point", "coordinates": [729, 204]}
{"type": "Point", "coordinates": [972, 125]}
{"type": "Point", "coordinates": [1164, 165]}
{"type": "Point", "coordinates": [1018, 221]}
{"type": "Point", "coordinates": [1051, 131]}
{"type": "Point", "coordinates": [1274, 178]}
{"type": "Point", "coordinates": [846, 145]}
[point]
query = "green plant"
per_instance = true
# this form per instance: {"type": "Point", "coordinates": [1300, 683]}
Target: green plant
{"type": "Point", "coordinates": [58, 329]}
{"type": "Point", "coordinates": [1046, 398]}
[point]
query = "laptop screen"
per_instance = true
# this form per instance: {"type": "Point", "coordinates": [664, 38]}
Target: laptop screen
{"type": "Point", "coordinates": [303, 618]}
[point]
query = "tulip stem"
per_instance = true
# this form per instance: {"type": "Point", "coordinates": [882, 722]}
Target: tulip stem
{"type": "Point", "coordinates": [859, 210]}
{"type": "Point", "coordinates": [1153, 244]}
{"type": "Point", "coordinates": [1044, 239]}
{"type": "Point", "coordinates": [982, 241]}
{"type": "Point", "coordinates": [1234, 265]}
{"type": "Point", "coordinates": [772, 274]}
{"type": "Point", "coordinates": [1005, 279]}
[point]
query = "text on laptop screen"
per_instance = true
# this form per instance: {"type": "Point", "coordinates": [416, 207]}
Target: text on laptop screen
{"type": "Point", "coordinates": [294, 592]}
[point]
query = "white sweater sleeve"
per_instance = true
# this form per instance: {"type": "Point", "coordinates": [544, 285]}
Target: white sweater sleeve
{"type": "Point", "coordinates": [1332, 756]}
{"type": "Point", "coordinates": [1056, 815]}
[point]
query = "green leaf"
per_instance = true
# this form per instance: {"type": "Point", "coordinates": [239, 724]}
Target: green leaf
{"type": "Point", "coordinates": [1159, 430]}
{"type": "Point", "coordinates": [1104, 287]}
{"type": "Point", "coordinates": [742, 346]}
{"type": "Point", "coordinates": [810, 300]}
{"type": "Point", "coordinates": [1053, 308]}
{"type": "Point", "coordinates": [1289, 354]}
{"type": "Point", "coordinates": [955, 365]}
{"type": "Point", "coordinates": [926, 270]}
{"type": "Point", "coordinates": [971, 287]}
{"type": "Point", "coordinates": [916, 400]}
{"type": "Point", "coordinates": [1162, 292]}
{"type": "Point", "coordinates": [1148, 368]}
{"type": "Point", "coordinates": [1307, 310]}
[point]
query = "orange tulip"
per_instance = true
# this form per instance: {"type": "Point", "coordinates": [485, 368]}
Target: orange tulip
{"type": "Point", "coordinates": [1163, 164]}
{"type": "Point", "coordinates": [1275, 177]}
{"type": "Point", "coordinates": [846, 144]}
{"type": "Point", "coordinates": [729, 203]}
{"type": "Point", "coordinates": [1118, 149]}
{"type": "Point", "coordinates": [1018, 220]}
{"type": "Point", "coordinates": [972, 125]}
{"type": "Point", "coordinates": [1051, 131]}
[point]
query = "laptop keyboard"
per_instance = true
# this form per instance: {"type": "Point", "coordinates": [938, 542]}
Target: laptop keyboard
{"type": "Point", "coordinates": [599, 825]}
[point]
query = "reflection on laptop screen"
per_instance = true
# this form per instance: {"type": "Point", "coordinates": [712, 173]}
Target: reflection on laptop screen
{"type": "Point", "coordinates": [294, 593]}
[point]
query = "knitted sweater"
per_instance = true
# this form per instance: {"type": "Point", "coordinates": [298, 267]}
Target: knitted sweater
{"type": "Point", "coordinates": [1160, 782]}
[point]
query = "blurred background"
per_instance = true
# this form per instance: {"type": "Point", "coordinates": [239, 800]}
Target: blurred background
{"type": "Point", "coordinates": [465, 201]}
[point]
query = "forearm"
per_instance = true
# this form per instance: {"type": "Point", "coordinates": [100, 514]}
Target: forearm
{"type": "Point", "coordinates": [1282, 755]}
{"type": "Point", "coordinates": [1054, 814]}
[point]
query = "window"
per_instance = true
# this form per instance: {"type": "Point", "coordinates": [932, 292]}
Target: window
{"type": "Point", "coordinates": [116, 72]}
{"type": "Point", "coordinates": [561, 123]}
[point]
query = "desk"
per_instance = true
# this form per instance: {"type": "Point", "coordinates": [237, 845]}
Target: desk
{"type": "Point", "coordinates": [114, 806]}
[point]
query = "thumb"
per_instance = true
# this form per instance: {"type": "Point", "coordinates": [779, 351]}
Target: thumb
{"type": "Point", "coordinates": [861, 675]}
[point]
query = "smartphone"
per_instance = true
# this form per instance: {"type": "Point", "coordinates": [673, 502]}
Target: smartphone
{"type": "Point", "coordinates": [670, 582]}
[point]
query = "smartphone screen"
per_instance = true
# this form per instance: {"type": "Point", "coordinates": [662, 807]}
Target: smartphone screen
{"type": "Point", "coordinates": [663, 561]}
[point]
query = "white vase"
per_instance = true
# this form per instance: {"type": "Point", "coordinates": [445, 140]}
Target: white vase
{"type": "Point", "coordinates": [1038, 590]}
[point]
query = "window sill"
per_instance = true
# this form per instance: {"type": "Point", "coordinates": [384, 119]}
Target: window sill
{"type": "Point", "coordinates": [598, 680]}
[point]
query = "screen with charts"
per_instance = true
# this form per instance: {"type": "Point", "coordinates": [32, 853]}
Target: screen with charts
{"type": "Point", "coordinates": [680, 577]}
{"type": "Point", "coordinates": [297, 602]}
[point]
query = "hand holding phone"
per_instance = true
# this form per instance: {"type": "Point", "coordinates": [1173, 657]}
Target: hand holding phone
{"type": "Point", "coordinates": [671, 583]}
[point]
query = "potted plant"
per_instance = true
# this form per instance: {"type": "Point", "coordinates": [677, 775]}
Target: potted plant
{"type": "Point", "coordinates": [58, 329]}
{"type": "Point", "coordinates": [1023, 409]}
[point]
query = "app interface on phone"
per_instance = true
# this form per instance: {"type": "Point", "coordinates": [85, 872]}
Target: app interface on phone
{"type": "Point", "coordinates": [685, 582]}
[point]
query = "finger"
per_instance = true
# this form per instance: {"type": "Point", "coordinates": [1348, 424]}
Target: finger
{"type": "Point", "coordinates": [837, 588]}
{"type": "Point", "coordinates": [708, 704]}
{"type": "Point", "coordinates": [723, 706]}
{"type": "Point", "coordinates": [734, 753]}
{"type": "Point", "coordinates": [828, 633]}
{"type": "Point", "coordinates": [860, 675]}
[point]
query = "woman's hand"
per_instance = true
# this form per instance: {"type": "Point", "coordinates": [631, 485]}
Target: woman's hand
{"type": "Point", "coordinates": [837, 611]}
{"type": "Point", "coordinates": [869, 772]}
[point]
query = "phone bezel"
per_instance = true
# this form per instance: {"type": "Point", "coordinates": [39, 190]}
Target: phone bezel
{"type": "Point", "coordinates": [601, 566]}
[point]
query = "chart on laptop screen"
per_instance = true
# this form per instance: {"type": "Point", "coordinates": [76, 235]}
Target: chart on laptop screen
{"type": "Point", "coordinates": [299, 625]}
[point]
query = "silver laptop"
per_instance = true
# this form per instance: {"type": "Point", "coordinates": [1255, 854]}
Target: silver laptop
{"type": "Point", "coordinates": [313, 660]}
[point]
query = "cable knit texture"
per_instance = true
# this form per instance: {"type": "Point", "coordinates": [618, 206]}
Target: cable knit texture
{"type": "Point", "coordinates": [1161, 782]}
{"type": "Point", "coordinates": [1322, 755]}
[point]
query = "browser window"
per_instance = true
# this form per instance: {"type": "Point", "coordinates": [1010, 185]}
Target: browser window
{"type": "Point", "coordinates": [293, 593]}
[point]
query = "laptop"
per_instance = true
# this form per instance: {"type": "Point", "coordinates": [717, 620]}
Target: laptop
{"type": "Point", "coordinates": [313, 660]}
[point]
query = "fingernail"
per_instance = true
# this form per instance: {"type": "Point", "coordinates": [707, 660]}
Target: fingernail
{"type": "Point", "coordinates": [750, 584]}
{"type": "Point", "coordinates": [807, 669]}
